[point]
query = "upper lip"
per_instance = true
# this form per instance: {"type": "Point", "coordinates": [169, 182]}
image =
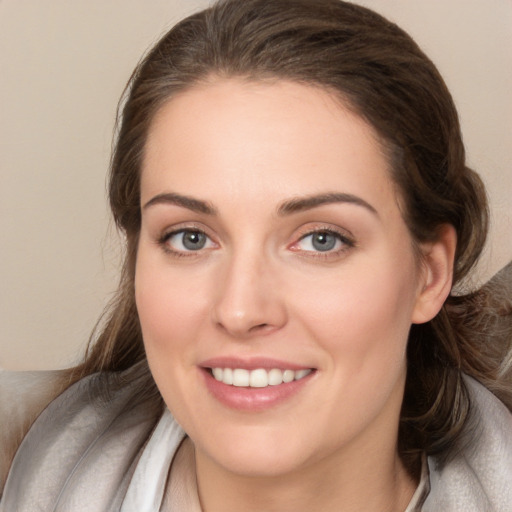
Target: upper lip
{"type": "Point", "coordinates": [252, 363]}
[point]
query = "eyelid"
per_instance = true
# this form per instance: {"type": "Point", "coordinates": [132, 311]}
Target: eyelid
{"type": "Point", "coordinates": [346, 238]}
{"type": "Point", "coordinates": [163, 238]}
{"type": "Point", "coordinates": [312, 228]}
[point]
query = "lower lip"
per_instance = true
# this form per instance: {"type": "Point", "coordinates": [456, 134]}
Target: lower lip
{"type": "Point", "coordinates": [253, 399]}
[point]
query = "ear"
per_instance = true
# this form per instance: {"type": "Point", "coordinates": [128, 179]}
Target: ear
{"type": "Point", "coordinates": [437, 275]}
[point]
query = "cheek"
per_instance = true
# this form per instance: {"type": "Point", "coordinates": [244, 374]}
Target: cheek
{"type": "Point", "coordinates": [170, 308]}
{"type": "Point", "coordinates": [363, 315]}
{"type": "Point", "coordinates": [170, 314]}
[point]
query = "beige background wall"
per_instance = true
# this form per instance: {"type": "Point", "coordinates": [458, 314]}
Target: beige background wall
{"type": "Point", "coordinates": [63, 66]}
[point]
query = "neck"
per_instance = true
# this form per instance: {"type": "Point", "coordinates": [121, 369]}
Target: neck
{"type": "Point", "coordinates": [367, 482]}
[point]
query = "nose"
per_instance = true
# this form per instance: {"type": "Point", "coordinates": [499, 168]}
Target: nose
{"type": "Point", "coordinates": [249, 301]}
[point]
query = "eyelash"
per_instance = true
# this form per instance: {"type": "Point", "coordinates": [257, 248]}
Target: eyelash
{"type": "Point", "coordinates": [163, 241]}
{"type": "Point", "coordinates": [346, 242]}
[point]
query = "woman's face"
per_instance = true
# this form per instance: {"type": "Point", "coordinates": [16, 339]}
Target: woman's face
{"type": "Point", "coordinates": [276, 280]}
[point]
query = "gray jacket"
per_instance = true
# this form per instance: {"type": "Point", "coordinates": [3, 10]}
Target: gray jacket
{"type": "Point", "coordinates": [80, 455]}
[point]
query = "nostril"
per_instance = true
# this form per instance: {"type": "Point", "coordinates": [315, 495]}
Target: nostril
{"type": "Point", "coordinates": [259, 327]}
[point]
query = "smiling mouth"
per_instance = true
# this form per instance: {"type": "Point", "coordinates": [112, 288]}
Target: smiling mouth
{"type": "Point", "coordinates": [258, 378]}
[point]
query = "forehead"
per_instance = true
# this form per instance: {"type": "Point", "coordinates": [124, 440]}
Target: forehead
{"type": "Point", "coordinates": [243, 136]}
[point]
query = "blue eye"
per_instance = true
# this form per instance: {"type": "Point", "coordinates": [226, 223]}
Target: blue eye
{"type": "Point", "coordinates": [187, 240]}
{"type": "Point", "coordinates": [322, 241]}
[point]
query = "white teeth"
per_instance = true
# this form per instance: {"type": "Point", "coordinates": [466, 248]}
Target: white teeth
{"type": "Point", "coordinates": [240, 377]}
{"type": "Point", "coordinates": [259, 378]}
{"type": "Point", "coordinates": [288, 375]}
{"type": "Point", "coordinates": [301, 374]}
{"type": "Point", "coordinates": [275, 377]}
{"type": "Point", "coordinates": [217, 373]}
{"type": "Point", "coordinates": [227, 376]}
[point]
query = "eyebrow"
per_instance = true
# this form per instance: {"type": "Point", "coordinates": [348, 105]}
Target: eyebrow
{"type": "Point", "coordinates": [287, 208]}
{"type": "Point", "coordinates": [306, 203]}
{"type": "Point", "coordinates": [190, 203]}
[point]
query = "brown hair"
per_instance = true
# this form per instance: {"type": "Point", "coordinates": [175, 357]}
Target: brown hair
{"type": "Point", "coordinates": [379, 72]}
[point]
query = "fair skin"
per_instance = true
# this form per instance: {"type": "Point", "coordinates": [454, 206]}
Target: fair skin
{"type": "Point", "coordinates": [272, 239]}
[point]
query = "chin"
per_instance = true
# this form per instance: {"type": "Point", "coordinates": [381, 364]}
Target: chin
{"type": "Point", "coordinates": [256, 452]}
{"type": "Point", "coordinates": [260, 465]}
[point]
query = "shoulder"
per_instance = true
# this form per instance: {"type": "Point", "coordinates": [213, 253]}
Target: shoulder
{"type": "Point", "coordinates": [478, 479]}
{"type": "Point", "coordinates": [85, 442]}
{"type": "Point", "coordinates": [23, 395]}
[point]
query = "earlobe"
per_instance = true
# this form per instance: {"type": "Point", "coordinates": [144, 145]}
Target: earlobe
{"type": "Point", "coordinates": [436, 281]}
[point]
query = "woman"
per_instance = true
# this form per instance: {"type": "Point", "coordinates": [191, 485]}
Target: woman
{"type": "Point", "coordinates": [291, 182]}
